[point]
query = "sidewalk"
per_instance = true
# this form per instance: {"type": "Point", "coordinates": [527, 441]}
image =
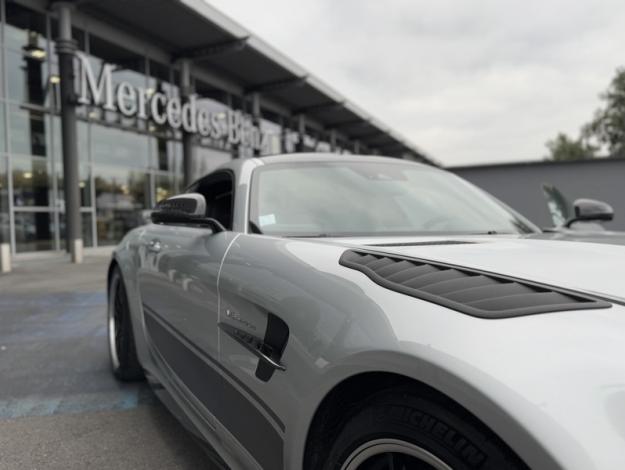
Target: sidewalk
{"type": "Point", "coordinates": [60, 407]}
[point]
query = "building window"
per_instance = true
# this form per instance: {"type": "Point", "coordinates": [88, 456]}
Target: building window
{"type": "Point", "coordinates": [34, 231]}
{"type": "Point", "coordinates": [87, 229]}
{"type": "Point", "coordinates": [4, 201]}
{"type": "Point", "coordinates": [113, 146]}
{"type": "Point", "coordinates": [205, 160]}
{"type": "Point", "coordinates": [129, 66]}
{"type": "Point", "coordinates": [82, 144]}
{"type": "Point", "coordinates": [27, 78]}
{"type": "Point", "coordinates": [164, 186]}
{"type": "Point", "coordinates": [28, 131]}
{"type": "Point", "coordinates": [160, 79]}
{"type": "Point", "coordinates": [167, 153]}
{"type": "Point", "coordinates": [272, 145]}
{"type": "Point", "coordinates": [3, 141]}
{"type": "Point", "coordinates": [84, 186]}
{"type": "Point", "coordinates": [121, 197]}
{"type": "Point", "coordinates": [32, 184]}
{"type": "Point", "coordinates": [24, 27]}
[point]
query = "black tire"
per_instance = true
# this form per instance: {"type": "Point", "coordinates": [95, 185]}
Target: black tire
{"type": "Point", "coordinates": [122, 350]}
{"type": "Point", "coordinates": [419, 431]}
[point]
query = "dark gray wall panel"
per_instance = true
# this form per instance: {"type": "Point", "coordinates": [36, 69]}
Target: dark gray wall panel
{"type": "Point", "coordinates": [519, 185]}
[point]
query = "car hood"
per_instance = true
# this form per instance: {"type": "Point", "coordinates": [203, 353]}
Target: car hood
{"type": "Point", "coordinates": [609, 237]}
{"type": "Point", "coordinates": [588, 267]}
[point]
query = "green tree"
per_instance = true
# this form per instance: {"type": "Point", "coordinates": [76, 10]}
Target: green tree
{"type": "Point", "coordinates": [608, 125]}
{"type": "Point", "coordinates": [564, 148]}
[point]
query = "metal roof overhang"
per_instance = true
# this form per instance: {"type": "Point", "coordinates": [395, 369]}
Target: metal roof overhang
{"type": "Point", "coordinates": [224, 49]}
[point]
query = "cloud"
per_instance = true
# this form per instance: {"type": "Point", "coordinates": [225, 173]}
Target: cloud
{"type": "Point", "coordinates": [468, 82]}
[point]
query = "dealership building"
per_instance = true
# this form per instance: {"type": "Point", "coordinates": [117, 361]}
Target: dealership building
{"type": "Point", "coordinates": [106, 107]}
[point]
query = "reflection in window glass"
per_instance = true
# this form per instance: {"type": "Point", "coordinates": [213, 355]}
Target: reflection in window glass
{"type": "Point", "coordinates": [164, 186]}
{"type": "Point", "coordinates": [130, 66]}
{"type": "Point", "coordinates": [118, 147]}
{"type": "Point", "coordinates": [4, 201]}
{"type": "Point", "coordinates": [160, 80]}
{"type": "Point", "coordinates": [272, 143]}
{"type": "Point", "coordinates": [219, 110]}
{"type": "Point", "coordinates": [24, 28]}
{"type": "Point", "coordinates": [53, 89]}
{"type": "Point", "coordinates": [86, 226]}
{"type": "Point", "coordinates": [369, 199]}
{"type": "Point", "coordinates": [206, 160]}
{"type": "Point", "coordinates": [3, 142]}
{"type": "Point", "coordinates": [84, 185]}
{"type": "Point", "coordinates": [32, 185]}
{"type": "Point", "coordinates": [28, 131]}
{"type": "Point", "coordinates": [323, 146]}
{"type": "Point", "coordinates": [83, 147]}
{"type": "Point", "coordinates": [121, 198]}
{"type": "Point", "coordinates": [168, 153]}
{"type": "Point", "coordinates": [34, 231]}
{"type": "Point", "coordinates": [26, 77]}
{"type": "Point", "coordinates": [3, 73]}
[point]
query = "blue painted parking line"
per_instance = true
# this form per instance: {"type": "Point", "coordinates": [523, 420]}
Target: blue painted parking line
{"type": "Point", "coordinates": [77, 403]}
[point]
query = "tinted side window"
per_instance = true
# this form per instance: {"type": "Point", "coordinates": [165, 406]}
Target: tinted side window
{"type": "Point", "coordinates": [218, 190]}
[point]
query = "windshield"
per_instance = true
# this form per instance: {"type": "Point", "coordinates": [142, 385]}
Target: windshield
{"type": "Point", "coordinates": [370, 199]}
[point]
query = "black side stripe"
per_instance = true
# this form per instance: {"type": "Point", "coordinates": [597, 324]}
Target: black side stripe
{"type": "Point", "coordinates": [251, 428]}
{"type": "Point", "coordinates": [217, 365]}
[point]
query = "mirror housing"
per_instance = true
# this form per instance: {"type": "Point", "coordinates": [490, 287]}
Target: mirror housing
{"type": "Point", "coordinates": [185, 209]}
{"type": "Point", "coordinates": [590, 210]}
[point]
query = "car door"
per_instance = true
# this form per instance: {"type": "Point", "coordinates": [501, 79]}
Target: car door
{"type": "Point", "coordinates": [178, 287]}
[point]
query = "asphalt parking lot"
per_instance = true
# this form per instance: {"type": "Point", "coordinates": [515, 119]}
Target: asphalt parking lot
{"type": "Point", "coordinates": [60, 407]}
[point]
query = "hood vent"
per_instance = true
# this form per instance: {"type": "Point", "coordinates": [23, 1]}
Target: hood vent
{"type": "Point", "coordinates": [478, 293]}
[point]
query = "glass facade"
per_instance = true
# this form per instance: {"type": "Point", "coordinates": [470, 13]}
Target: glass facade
{"type": "Point", "coordinates": [126, 163]}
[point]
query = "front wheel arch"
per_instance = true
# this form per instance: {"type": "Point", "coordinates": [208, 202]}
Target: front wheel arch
{"type": "Point", "coordinates": [114, 264]}
{"type": "Point", "coordinates": [345, 399]}
{"type": "Point", "coordinates": [121, 338]}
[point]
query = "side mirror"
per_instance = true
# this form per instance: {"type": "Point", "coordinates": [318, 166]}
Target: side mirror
{"type": "Point", "coordinates": [590, 210]}
{"type": "Point", "coordinates": [185, 209]}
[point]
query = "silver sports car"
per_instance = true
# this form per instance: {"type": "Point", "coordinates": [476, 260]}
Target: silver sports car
{"type": "Point", "coordinates": [319, 311]}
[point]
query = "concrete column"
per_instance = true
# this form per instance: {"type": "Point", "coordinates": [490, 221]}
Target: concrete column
{"type": "Point", "coordinates": [284, 134]}
{"type": "Point", "coordinates": [333, 146]}
{"type": "Point", "coordinates": [66, 49]}
{"type": "Point", "coordinates": [256, 116]}
{"type": "Point", "coordinates": [234, 149]}
{"type": "Point", "coordinates": [301, 130]}
{"type": "Point", "coordinates": [356, 147]}
{"type": "Point", "coordinates": [186, 90]}
{"type": "Point", "coordinates": [5, 258]}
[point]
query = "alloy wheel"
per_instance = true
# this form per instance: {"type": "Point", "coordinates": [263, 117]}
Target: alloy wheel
{"type": "Point", "coordinates": [393, 454]}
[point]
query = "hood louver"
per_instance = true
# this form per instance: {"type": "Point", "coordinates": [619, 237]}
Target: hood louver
{"type": "Point", "coordinates": [477, 293]}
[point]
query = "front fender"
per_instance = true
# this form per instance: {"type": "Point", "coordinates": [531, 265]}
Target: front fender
{"type": "Point", "coordinates": [127, 257]}
{"type": "Point", "coordinates": [550, 385]}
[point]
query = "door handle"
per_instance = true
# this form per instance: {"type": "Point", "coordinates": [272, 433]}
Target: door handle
{"type": "Point", "coordinates": [154, 246]}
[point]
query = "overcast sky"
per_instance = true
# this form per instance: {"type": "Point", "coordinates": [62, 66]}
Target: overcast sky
{"type": "Point", "coordinates": [466, 81]}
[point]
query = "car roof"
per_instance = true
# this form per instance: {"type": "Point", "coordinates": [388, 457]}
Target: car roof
{"type": "Point", "coordinates": [329, 157]}
{"type": "Point", "coordinates": [248, 164]}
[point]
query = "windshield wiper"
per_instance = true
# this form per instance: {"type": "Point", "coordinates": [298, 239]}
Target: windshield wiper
{"type": "Point", "coordinates": [494, 232]}
{"type": "Point", "coordinates": [311, 235]}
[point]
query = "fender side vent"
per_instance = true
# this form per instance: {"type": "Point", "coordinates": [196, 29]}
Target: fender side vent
{"type": "Point", "coordinates": [478, 293]}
